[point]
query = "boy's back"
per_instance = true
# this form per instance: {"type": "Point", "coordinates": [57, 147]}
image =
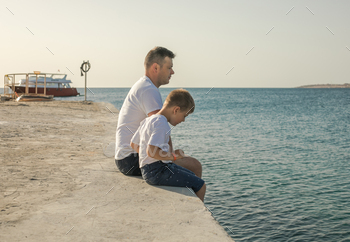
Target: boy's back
{"type": "Point", "coordinates": [153, 130]}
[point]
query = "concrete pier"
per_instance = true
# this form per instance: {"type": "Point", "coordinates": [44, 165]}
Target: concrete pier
{"type": "Point", "coordinates": [59, 182]}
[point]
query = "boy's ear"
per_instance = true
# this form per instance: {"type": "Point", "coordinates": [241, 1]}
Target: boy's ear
{"type": "Point", "coordinates": [176, 109]}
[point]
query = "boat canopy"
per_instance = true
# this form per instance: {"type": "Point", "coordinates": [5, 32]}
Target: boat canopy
{"type": "Point", "coordinates": [50, 79]}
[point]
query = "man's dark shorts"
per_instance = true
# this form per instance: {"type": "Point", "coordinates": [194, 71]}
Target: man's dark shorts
{"type": "Point", "coordinates": [129, 165]}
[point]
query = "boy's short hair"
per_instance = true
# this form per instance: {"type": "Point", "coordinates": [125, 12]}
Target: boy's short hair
{"type": "Point", "coordinates": [157, 55]}
{"type": "Point", "coordinates": [181, 98]}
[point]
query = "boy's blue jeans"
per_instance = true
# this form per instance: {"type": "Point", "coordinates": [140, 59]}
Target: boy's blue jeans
{"type": "Point", "coordinates": [170, 174]}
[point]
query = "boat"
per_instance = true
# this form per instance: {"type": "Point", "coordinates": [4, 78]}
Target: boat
{"type": "Point", "coordinates": [57, 85]}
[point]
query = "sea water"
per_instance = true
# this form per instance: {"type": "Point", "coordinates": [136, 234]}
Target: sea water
{"type": "Point", "coordinates": [276, 161]}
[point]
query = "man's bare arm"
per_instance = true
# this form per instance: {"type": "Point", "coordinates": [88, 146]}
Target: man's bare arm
{"type": "Point", "coordinates": [153, 112]}
{"type": "Point", "coordinates": [135, 147]}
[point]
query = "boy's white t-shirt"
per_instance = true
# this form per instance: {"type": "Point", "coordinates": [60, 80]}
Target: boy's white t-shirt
{"type": "Point", "coordinates": [144, 97]}
{"type": "Point", "coordinates": [153, 130]}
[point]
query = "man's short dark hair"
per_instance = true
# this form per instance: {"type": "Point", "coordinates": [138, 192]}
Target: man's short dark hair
{"type": "Point", "coordinates": [157, 55]}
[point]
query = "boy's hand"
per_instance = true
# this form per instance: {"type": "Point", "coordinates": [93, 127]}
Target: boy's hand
{"type": "Point", "coordinates": [179, 153]}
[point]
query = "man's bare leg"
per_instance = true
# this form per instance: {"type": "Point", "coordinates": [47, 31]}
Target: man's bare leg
{"type": "Point", "coordinates": [191, 164]}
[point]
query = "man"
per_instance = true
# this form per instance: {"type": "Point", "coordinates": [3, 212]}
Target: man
{"type": "Point", "coordinates": [144, 100]}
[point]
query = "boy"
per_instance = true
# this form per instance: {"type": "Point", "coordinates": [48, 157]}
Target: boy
{"type": "Point", "coordinates": [151, 141]}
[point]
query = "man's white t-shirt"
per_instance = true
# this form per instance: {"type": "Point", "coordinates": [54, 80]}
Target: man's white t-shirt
{"type": "Point", "coordinates": [154, 130]}
{"type": "Point", "coordinates": [144, 97]}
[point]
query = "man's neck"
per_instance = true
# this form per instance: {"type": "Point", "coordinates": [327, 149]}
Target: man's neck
{"type": "Point", "coordinates": [153, 80]}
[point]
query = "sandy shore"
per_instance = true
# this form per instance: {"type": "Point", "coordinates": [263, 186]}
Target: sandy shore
{"type": "Point", "coordinates": [58, 182]}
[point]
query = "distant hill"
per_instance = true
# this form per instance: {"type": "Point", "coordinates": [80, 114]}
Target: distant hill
{"type": "Point", "coordinates": [345, 85]}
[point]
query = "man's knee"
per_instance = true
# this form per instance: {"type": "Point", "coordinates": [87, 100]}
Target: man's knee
{"type": "Point", "coordinates": [195, 163]}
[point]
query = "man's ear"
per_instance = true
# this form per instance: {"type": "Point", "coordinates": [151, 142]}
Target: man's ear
{"type": "Point", "coordinates": [155, 67]}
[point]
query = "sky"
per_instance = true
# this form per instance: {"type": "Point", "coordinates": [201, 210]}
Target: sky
{"type": "Point", "coordinates": [222, 43]}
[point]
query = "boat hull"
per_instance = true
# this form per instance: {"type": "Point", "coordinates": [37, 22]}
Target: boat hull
{"type": "Point", "coordinates": [34, 98]}
{"type": "Point", "coordinates": [56, 92]}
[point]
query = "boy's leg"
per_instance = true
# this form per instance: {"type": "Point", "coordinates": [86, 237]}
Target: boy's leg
{"type": "Point", "coordinates": [201, 192]}
{"type": "Point", "coordinates": [171, 174]}
{"type": "Point", "coordinates": [191, 164]}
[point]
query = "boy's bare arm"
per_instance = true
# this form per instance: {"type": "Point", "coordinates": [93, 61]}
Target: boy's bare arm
{"type": "Point", "coordinates": [157, 153]}
{"type": "Point", "coordinates": [135, 147]}
{"type": "Point", "coordinates": [170, 145]}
